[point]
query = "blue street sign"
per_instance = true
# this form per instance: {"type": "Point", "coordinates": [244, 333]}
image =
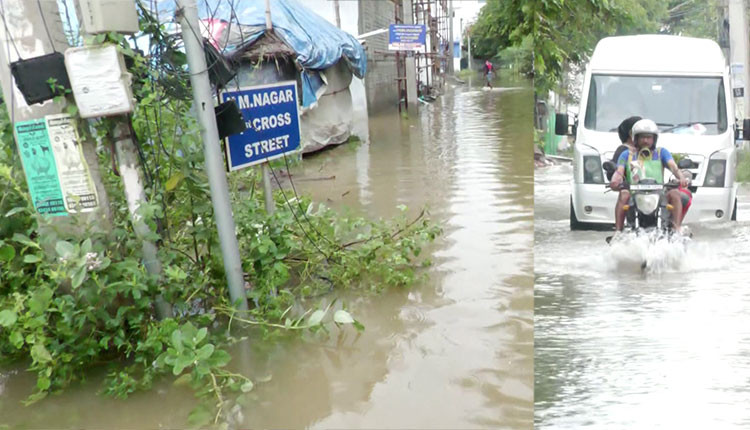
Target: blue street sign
{"type": "Point", "coordinates": [272, 121]}
{"type": "Point", "coordinates": [406, 37]}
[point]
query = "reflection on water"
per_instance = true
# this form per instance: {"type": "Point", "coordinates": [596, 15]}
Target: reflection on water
{"type": "Point", "coordinates": [453, 353]}
{"type": "Point", "coordinates": [621, 348]}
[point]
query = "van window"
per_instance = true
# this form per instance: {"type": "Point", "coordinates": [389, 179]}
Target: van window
{"type": "Point", "coordinates": [676, 104]}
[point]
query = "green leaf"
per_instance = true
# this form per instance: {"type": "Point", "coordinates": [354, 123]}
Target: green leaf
{"type": "Point", "coordinates": [16, 338]}
{"type": "Point", "coordinates": [247, 387]}
{"type": "Point", "coordinates": [174, 181]}
{"type": "Point", "coordinates": [86, 247]}
{"type": "Point", "coordinates": [20, 238]}
{"type": "Point", "coordinates": [7, 252]}
{"type": "Point", "coordinates": [200, 416]}
{"type": "Point", "coordinates": [40, 354]}
{"type": "Point", "coordinates": [182, 381]}
{"type": "Point", "coordinates": [43, 383]}
{"type": "Point", "coordinates": [316, 318]}
{"type": "Point", "coordinates": [79, 276]}
{"type": "Point", "coordinates": [343, 317]}
{"type": "Point", "coordinates": [31, 258]}
{"type": "Point", "coordinates": [64, 249]}
{"type": "Point", "coordinates": [204, 352]}
{"type": "Point", "coordinates": [181, 363]}
{"type": "Point", "coordinates": [220, 358]}
{"type": "Point", "coordinates": [177, 340]}
{"type": "Point", "coordinates": [14, 211]}
{"type": "Point", "coordinates": [201, 335]}
{"type": "Point", "coordinates": [7, 318]}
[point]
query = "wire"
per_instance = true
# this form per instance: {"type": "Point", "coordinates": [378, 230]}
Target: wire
{"type": "Point", "coordinates": [304, 212]}
{"type": "Point", "coordinates": [46, 29]}
{"type": "Point", "coordinates": [295, 215]}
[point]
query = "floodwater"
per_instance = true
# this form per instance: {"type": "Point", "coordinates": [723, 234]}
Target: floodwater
{"type": "Point", "coordinates": [618, 348]}
{"type": "Point", "coordinates": [454, 352]}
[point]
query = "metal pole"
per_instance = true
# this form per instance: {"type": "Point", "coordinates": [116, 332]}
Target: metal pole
{"type": "Point", "coordinates": [450, 36]}
{"type": "Point", "coordinates": [217, 180]}
{"type": "Point", "coordinates": [410, 62]}
{"type": "Point", "coordinates": [338, 13]}
{"type": "Point", "coordinates": [468, 63]}
{"type": "Point", "coordinates": [267, 190]}
{"type": "Point", "coordinates": [738, 54]}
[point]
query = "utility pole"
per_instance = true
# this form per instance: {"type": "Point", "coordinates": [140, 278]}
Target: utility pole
{"type": "Point", "coordinates": [267, 191]}
{"type": "Point", "coordinates": [738, 55]}
{"type": "Point", "coordinates": [187, 13]}
{"type": "Point", "coordinates": [129, 168]}
{"type": "Point", "coordinates": [338, 13]}
{"type": "Point", "coordinates": [450, 36]}
{"type": "Point", "coordinates": [34, 30]}
{"type": "Point", "coordinates": [409, 61]}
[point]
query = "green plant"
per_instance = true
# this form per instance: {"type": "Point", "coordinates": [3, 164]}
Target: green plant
{"type": "Point", "coordinates": [69, 303]}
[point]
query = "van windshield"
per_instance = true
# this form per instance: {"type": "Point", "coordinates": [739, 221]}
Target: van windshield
{"type": "Point", "coordinates": [691, 105]}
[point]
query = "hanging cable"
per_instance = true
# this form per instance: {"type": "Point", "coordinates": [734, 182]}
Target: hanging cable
{"type": "Point", "coordinates": [46, 29]}
{"type": "Point", "coordinates": [289, 204]}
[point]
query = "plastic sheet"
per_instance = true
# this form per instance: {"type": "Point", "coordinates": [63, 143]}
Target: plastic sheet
{"type": "Point", "coordinates": [317, 43]}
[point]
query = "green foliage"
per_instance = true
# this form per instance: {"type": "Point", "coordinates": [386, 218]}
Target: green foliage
{"type": "Point", "coordinates": [70, 304]}
{"type": "Point", "coordinates": [560, 33]}
{"type": "Point", "coordinates": [743, 166]}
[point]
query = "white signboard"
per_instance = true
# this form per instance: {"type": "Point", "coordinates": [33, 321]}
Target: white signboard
{"type": "Point", "coordinates": [100, 84]}
{"type": "Point", "coordinates": [79, 193]}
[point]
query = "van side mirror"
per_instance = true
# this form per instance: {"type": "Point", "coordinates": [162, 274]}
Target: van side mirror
{"type": "Point", "coordinates": [746, 129]}
{"type": "Point", "coordinates": [561, 124]}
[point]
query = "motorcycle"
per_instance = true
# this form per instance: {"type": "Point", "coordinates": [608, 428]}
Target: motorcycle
{"type": "Point", "coordinates": [647, 208]}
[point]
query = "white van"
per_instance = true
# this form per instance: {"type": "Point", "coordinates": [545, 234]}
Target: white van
{"type": "Point", "coordinates": [680, 83]}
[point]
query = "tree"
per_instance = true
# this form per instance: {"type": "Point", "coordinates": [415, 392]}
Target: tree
{"type": "Point", "coordinates": [566, 31]}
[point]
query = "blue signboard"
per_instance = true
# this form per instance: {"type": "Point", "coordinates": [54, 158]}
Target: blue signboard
{"type": "Point", "coordinates": [272, 121]}
{"type": "Point", "coordinates": [406, 37]}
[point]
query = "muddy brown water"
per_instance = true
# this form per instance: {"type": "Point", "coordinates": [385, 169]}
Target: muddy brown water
{"type": "Point", "coordinates": [453, 352]}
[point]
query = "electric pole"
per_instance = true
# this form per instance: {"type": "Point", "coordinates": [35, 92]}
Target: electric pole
{"type": "Point", "coordinates": [29, 30]}
{"type": "Point", "coordinates": [738, 57]}
{"type": "Point", "coordinates": [187, 13]}
{"type": "Point", "coordinates": [409, 61]}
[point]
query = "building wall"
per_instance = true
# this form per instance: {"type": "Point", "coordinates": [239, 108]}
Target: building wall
{"type": "Point", "coordinates": [380, 81]}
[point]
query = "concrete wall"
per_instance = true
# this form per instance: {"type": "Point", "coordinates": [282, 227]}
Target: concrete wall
{"type": "Point", "coordinates": [380, 82]}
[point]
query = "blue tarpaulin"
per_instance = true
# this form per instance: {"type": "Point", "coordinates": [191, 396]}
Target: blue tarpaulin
{"type": "Point", "coordinates": [317, 43]}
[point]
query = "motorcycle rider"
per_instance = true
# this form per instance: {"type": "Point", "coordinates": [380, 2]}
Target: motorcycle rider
{"type": "Point", "coordinates": [649, 162]}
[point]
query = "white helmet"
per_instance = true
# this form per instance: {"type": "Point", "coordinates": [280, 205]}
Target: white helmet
{"type": "Point", "coordinates": [645, 126]}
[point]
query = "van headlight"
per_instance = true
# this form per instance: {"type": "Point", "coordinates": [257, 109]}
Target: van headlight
{"type": "Point", "coordinates": [647, 203]}
{"type": "Point", "coordinates": [592, 170]}
{"type": "Point", "coordinates": [715, 173]}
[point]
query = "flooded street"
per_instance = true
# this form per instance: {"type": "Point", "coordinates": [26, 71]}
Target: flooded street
{"type": "Point", "coordinates": [616, 348]}
{"type": "Point", "coordinates": [454, 352]}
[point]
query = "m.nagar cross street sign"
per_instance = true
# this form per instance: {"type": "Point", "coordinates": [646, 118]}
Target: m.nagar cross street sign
{"type": "Point", "coordinates": [272, 120]}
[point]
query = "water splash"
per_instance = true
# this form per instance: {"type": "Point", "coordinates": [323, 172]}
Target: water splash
{"type": "Point", "coordinates": [649, 252]}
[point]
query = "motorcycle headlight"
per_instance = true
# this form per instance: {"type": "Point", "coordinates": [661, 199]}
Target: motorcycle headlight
{"type": "Point", "coordinates": [592, 170]}
{"type": "Point", "coordinates": [647, 203]}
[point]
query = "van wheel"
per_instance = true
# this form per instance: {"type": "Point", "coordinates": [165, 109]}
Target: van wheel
{"type": "Point", "coordinates": [734, 211]}
{"type": "Point", "coordinates": [574, 223]}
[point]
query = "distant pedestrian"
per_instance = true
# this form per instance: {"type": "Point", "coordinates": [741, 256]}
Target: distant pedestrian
{"type": "Point", "coordinates": [489, 72]}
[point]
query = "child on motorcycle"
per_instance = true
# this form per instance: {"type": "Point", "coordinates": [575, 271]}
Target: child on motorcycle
{"type": "Point", "coordinates": [649, 161]}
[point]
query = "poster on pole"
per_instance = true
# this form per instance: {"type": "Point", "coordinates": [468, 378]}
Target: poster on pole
{"type": "Point", "coordinates": [40, 168]}
{"type": "Point", "coordinates": [72, 170]}
{"type": "Point", "coordinates": [272, 119]}
{"type": "Point", "coordinates": [406, 37]}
